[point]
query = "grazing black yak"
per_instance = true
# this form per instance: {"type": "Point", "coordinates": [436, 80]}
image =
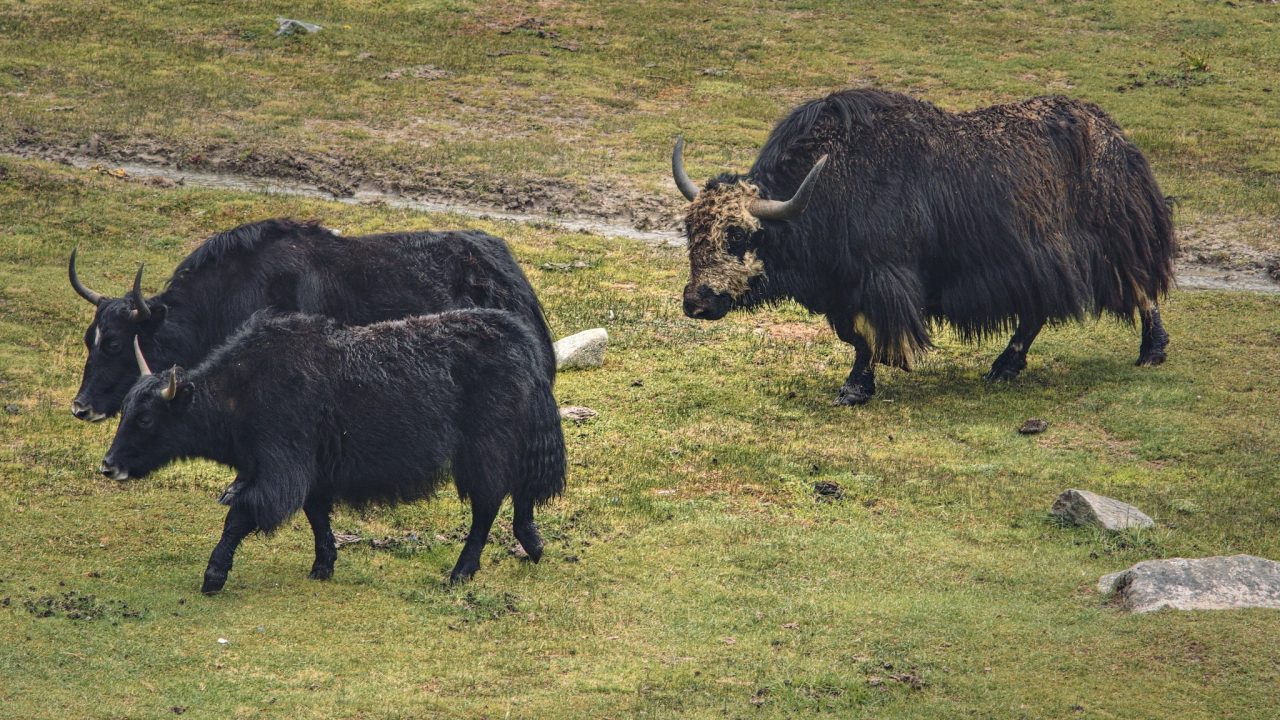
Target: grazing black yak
{"type": "Point", "coordinates": [289, 266]}
{"type": "Point", "coordinates": [310, 412]}
{"type": "Point", "coordinates": [895, 214]}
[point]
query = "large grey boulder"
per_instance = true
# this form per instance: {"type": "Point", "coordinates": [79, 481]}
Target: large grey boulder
{"type": "Point", "coordinates": [1212, 583]}
{"type": "Point", "coordinates": [582, 350]}
{"type": "Point", "coordinates": [1081, 507]}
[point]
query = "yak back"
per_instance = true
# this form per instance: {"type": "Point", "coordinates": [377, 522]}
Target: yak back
{"type": "Point", "coordinates": [290, 266]}
{"type": "Point", "coordinates": [376, 413]}
{"type": "Point", "coordinates": [1038, 209]}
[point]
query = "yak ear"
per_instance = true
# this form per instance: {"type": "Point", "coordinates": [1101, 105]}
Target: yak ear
{"type": "Point", "coordinates": [178, 393]}
{"type": "Point", "coordinates": [158, 313]}
{"type": "Point", "coordinates": [186, 391]}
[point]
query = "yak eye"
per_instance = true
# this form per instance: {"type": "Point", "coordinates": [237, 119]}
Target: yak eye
{"type": "Point", "coordinates": [736, 242]}
{"type": "Point", "coordinates": [144, 420]}
{"type": "Point", "coordinates": [112, 345]}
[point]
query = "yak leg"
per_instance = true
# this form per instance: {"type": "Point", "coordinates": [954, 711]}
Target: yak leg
{"type": "Point", "coordinates": [483, 511]}
{"type": "Point", "coordinates": [861, 383]}
{"type": "Point", "coordinates": [1014, 358]}
{"type": "Point", "coordinates": [317, 509]}
{"type": "Point", "coordinates": [1154, 338]}
{"type": "Point", "coordinates": [239, 524]}
{"type": "Point", "coordinates": [525, 530]}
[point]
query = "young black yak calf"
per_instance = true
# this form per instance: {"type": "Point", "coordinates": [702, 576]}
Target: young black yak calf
{"type": "Point", "coordinates": [311, 412]}
{"type": "Point", "coordinates": [289, 266]}
{"type": "Point", "coordinates": [1011, 216]}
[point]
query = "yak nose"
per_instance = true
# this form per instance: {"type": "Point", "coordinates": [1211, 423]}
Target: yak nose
{"type": "Point", "coordinates": [79, 410]}
{"type": "Point", "coordinates": [109, 469]}
{"type": "Point", "coordinates": [695, 300]}
{"type": "Point", "coordinates": [86, 412]}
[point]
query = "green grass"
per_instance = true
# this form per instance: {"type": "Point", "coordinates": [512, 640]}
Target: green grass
{"type": "Point", "coordinates": [690, 570]}
{"type": "Point", "coordinates": [580, 105]}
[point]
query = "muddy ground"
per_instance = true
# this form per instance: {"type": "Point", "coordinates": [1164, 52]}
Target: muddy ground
{"type": "Point", "coordinates": [343, 177]}
{"type": "Point", "coordinates": [1214, 252]}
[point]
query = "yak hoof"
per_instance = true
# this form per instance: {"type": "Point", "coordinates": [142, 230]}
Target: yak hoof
{"type": "Point", "coordinates": [850, 396]}
{"type": "Point", "coordinates": [532, 550]}
{"type": "Point", "coordinates": [213, 582]}
{"type": "Point", "coordinates": [530, 541]}
{"type": "Point", "coordinates": [1001, 374]}
{"type": "Point", "coordinates": [463, 572]}
{"type": "Point", "coordinates": [1151, 359]}
{"type": "Point", "coordinates": [321, 573]}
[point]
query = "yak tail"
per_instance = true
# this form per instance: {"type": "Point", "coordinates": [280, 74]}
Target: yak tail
{"type": "Point", "coordinates": [542, 466]}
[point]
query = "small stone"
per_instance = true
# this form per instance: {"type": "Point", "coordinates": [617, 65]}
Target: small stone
{"type": "Point", "coordinates": [1034, 426]}
{"type": "Point", "coordinates": [583, 350]}
{"type": "Point", "coordinates": [827, 490]}
{"type": "Point", "coordinates": [12, 409]}
{"type": "Point", "coordinates": [1081, 507]}
{"type": "Point", "coordinates": [340, 539]}
{"type": "Point", "coordinates": [420, 72]}
{"type": "Point", "coordinates": [577, 413]}
{"type": "Point", "coordinates": [1212, 583]}
{"type": "Point", "coordinates": [288, 26]}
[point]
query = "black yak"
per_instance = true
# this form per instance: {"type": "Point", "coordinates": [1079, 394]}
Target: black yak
{"type": "Point", "coordinates": [887, 214]}
{"type": "Point", "coordinates": [310, 412]}
{"type": "Point", "coordinates": [289, 266]}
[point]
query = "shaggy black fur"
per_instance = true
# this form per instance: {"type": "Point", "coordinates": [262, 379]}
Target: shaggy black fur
{"type": "Point", "coordinates": [1011, 216]}
{"type": "Point", "coordinates": [310, 412]}
{"type": "Point", "coordinates": [290, 266]}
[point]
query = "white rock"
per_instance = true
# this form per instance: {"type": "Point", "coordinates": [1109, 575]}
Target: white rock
{"type": "Point", "coordinates": [577, 413]}
{"type": "Point", "coordinates": [1081, 507]}
{"type": "Point", "coordinates": [289, 26]}
{"type": "Point", "coordinates": [582, 350]}
{"type": "Point", "coordinates": [1212, 583]}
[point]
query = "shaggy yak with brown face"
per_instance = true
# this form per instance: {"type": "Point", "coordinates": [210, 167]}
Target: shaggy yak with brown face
{"type": "Point", "coordinates": [887, 214]}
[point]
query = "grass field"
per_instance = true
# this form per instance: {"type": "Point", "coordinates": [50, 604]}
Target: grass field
{"type": "Point", "coordinates": [573, 106]}
{"type": "Point", "coordinates": [690, 568]}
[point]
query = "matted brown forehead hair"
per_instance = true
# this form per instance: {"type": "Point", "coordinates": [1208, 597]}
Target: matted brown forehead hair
{"type": "Point", "coordinates": [707, 223]}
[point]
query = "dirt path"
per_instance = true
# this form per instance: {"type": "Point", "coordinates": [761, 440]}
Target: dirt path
{"type": "Point", "coordinates": [1204, 266]}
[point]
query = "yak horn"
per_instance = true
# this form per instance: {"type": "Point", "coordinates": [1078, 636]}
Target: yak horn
{"type": "Point", "coordinates": [137, 355]}
{"type": "Point", "coordinates": [81, 290]}
{"type": "Point", "coordinates": [171, 392]}
{"type": "Point", "coordinates": [787, 209]}
{"type": "Point", "coordinates": [140, 313]}
{"type": "Point", "coordinates": [687, 188]}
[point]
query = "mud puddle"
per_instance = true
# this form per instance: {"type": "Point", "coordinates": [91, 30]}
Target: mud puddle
{"type": "Point", "coordinates": [1224, 267]}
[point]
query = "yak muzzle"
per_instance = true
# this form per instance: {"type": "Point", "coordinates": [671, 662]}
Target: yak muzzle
{"type": "Point", "coordinates": [112, 471]}
{"type": "Point", "coordinates": [86, 413]}
{"type": "Point", "coordinates": [703, 303]}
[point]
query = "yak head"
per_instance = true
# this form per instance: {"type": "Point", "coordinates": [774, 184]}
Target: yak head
{"type": "Point", "coordinates": [110, 370]}
{"type": "Point", "coordinates": [724, 227]}
{"type": "Point", "coordinates": [154, 421]}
